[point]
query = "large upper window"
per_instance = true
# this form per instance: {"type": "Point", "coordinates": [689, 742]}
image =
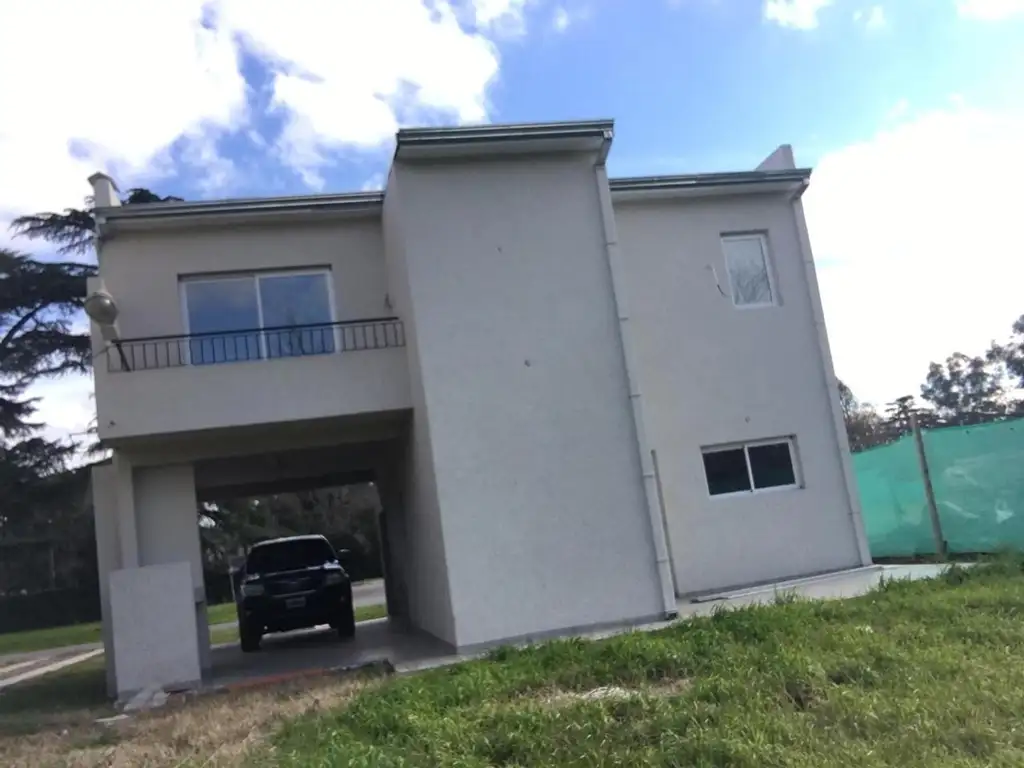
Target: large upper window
{"type": "Point", "coordinates": [248, 317]}
{"type": "Point", "coordinates": [746, 260]}
{"type": "Point", "coordinates": [748, 467]}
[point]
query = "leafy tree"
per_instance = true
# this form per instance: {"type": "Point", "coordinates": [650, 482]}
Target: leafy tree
{"type": "Point", "coordinates": [71, 230]}
{"type": "Point", "coordinates": [965, 390]}
{"type": "Point", "coordinates": [38, 302]}
{"type": "Point", "coordinates": [42, 499]}
{"type": "Point", "coordinates": [864, 426]}
{"type": "Point", "coordinates": [1011, 354]}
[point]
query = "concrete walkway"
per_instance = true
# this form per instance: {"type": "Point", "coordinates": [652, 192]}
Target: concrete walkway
{"type": "Point", "coordinates": [30, 669]}
{"type": "Point", "coordinates": [833, 586]}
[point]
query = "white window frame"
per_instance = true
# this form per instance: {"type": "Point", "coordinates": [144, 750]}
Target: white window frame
{"type": "Point", "coordinates": [746, 445]}
{"type": "Point", "coordinates": [255, 276]}
{"type": "Point", "coordinates": [762, 238]}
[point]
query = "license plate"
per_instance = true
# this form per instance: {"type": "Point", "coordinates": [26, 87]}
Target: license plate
{"type": "Point", "coordinates": [295, 602]}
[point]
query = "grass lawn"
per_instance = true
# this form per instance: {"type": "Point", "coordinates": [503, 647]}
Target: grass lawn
{"type": "Point", "coordinates": [81, 634]}
{"type": "Point", "coordinates": [74, 696]}
{"type": "Point", "coordinates": [55, 637]}
{"type": "Point", "coordinates": [913, 674]}
{"type": "Point", "coordinates": [221, 614]}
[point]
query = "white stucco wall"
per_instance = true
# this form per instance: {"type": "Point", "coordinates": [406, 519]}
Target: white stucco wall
{"type": "Point", "coordinates": [415, 512]}
{"type": "Point", "coordinates": [142, 272]}
{"type": "Point", "coordinates": [711, 373]}
{"type": "Point", "coordinates": [524, 388]}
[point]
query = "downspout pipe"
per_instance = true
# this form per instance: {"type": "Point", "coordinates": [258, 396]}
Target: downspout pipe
{"type": "Point", "coordinates": [661, 554]}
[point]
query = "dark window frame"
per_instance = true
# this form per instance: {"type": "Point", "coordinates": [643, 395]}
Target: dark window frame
{"type": "Point", "coordinates": [752, 486]}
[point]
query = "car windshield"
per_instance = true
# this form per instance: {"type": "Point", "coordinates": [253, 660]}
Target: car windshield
{"type": "Point", "coordinates": [289, 555]}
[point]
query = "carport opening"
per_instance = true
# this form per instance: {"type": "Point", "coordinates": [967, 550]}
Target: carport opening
{"type": "Point", "coordinates": [232, 520]}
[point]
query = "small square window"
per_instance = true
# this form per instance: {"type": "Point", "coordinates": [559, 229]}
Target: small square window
{"type": "Point", "coordinates": [726, 471]}
{"type": "Point", "coordinates": [746, 260]}
{"type": "Point", "coordinates": [771, 465]}
{"type": "Point", "coordinates": [750, 467]}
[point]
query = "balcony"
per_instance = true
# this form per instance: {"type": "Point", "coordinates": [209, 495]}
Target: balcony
{"type": "Point", "coordinates": [161, 385]}
{"type": "Point", "coordinates": [157, 352]}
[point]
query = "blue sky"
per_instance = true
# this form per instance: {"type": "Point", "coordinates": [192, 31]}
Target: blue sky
{"type": "Point", "coordinates": [699, 85]}
{"type": "Point", "coordinates": [911, 112]}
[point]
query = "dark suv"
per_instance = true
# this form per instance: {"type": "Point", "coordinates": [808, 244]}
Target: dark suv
{"type": "Point", "coordinates": [292, 583]}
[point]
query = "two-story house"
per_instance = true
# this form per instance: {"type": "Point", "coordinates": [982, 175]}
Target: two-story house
{"type": "Point", "coordinates": [580, 398]}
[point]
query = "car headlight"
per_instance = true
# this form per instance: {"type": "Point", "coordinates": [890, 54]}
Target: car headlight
{"type": "Point", "coordinates": [333, 578]}
{"type": "Point", "coordinates": [252, 590]}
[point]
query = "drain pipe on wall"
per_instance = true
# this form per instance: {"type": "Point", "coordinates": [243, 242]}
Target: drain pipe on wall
{"type": "Point", "coordinates": [650, 480]}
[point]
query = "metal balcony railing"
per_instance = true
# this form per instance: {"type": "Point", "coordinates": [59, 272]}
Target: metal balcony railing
{"type": "Point", "coordinates": [153, 352]}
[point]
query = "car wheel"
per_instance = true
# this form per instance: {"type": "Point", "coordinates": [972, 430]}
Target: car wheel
{"type": "Point", "coordinates": [249, 638]}
{"type": "Point", "coordinates": [346, 625]}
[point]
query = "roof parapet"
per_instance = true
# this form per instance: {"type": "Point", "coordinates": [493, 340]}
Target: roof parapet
{"type": "Point", "coordinates": [509, 139]}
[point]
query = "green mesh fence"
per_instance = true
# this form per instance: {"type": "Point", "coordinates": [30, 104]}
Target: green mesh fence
{"type": "Point", "coordinates": [978, 478]}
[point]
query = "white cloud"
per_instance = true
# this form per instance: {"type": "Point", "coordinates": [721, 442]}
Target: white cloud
{"type": "Point", "coordinates": [115, 84]}
{"type": "Point", "coordinates": [798, 14]}
{"type": "Point", "coordinates": [108, 84]}
{"type": "Point", "coordinates": [872, 18]}
{"type": "Point", "coordinates": [990, 10]}
{"type": "Point", "coordinates": [565, 16]}
{"type": "Point", "coordinates": [915, 235]}
{"type": "Point", "coordinates": [347, 74]}
{"type": "Point", "coordinates": [507, 17]}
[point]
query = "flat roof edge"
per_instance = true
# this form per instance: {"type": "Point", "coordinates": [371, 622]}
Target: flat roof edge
{"type": "Point", "coordinates": [475, 133]}
{"type": "Point", "coordinates": [345, 201]}
{"type": "Point", "coordinates": [707, 180]}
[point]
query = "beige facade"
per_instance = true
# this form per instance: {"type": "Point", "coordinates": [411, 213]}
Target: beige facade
{"type": "Point", "coordinates": [505, 342]}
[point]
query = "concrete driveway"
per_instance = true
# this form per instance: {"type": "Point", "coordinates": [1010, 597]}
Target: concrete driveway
{"type": "Point", "coordinates": [364, 594]}
{"type": "Point", "coordinates": [291, 653]}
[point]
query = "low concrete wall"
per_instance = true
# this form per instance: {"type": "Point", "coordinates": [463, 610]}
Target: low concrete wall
{"type": "Point", "coordinates": [154, 627]}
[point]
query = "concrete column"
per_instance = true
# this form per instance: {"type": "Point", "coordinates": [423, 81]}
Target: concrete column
{"type": "Point", "coordinates": [168, 532]}
{"type": "Point", "coordinates": [127, 534]}
{"type": "Point", "coordinates": [108, 555]}
{"type": "Point", "coordinates": [392, 532]}
{"type": "Point", "coordinates": [104, 190]}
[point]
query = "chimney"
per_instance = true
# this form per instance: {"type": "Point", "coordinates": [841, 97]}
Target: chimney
{"type": "Point", "coordinates": [779, 160]}
{"type": "Point", "coordinates": [104, 191]}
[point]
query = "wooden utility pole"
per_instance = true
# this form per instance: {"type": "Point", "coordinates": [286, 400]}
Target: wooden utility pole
{"type": "Point", "coordinates": [929, 492]}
